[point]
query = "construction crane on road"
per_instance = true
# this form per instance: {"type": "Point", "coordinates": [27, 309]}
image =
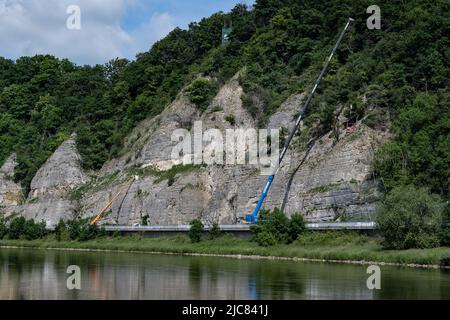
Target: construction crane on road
{"type": "Point", "coordinates": [253, 218]}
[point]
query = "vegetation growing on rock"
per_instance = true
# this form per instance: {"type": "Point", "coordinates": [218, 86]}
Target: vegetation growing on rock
{"type": "Point", "coordinates": [400, 73]}
{"type": "Point", "coordinates": [402, 68]}
{"type": "Point", "coordinates": [201, 92]}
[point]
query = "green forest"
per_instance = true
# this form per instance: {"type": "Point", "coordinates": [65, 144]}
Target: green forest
{"type": "Point", "coordinates": [398, 74]}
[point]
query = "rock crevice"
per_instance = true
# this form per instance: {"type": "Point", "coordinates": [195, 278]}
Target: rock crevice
{"type": "Point", "coordinates": [10, 191]}
{"type": "Point", "coordinates": [334, 181]}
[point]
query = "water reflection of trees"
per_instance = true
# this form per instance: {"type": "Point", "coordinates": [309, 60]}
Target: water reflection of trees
{"type": "Point", "coordinates": [243, 279]}
{"type": "Point", "coordinates": [276, 282]}
{"type": "Point", "coordinates": [412, 283]}
{"type": "Point", "coordinates": [27, 274]}
{"type": "Point", "coordinates": [41, 274]}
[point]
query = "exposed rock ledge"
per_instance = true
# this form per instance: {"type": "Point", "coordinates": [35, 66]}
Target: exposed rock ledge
{"type": "Point", "coordinates": [334, 181]}
{"type": "Point", "coordinates": [62, 173]}
{"type": "Point", "coordinates": [10, 191]}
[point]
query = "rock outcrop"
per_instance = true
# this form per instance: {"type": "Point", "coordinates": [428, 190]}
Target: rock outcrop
{"type": "Point", "coordinates": [326, 179]}
{"type": "Point", "coordinates": [10, 191]}
{"type": "Point", "coordinates": [335, 181]}
{"type": "Point", "coordinates": [49, 197]}
{"type": "Point", "coordinates": [61, 173]}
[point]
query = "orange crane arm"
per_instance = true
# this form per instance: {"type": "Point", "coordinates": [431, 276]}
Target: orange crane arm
{"type": "Point", "coordinates": [125, 186]}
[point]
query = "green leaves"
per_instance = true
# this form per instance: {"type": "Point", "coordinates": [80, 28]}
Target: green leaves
{"type": "Point", "coordinates": [196, 231]}
{"type": "Point", "coordinates": [274, 227]}
{"type": "Point", "coordinates": [47, 116]}
{"type": "Point", "coordinates": [281, 45]}
{"type": "Point", "coordinates": [33, 230]}
{"type": "Point", "coordinates": [445, 230]}
{"type": "Point", "coordinates": [16, 228]}
{"type": "Point", "coordinates": [421, 149]}
{"type": "Point", "coordinates": [410, 218]}
{"type": "Point", "coordinates": [79, 229]}
{"type": "Point", "coordinates": [3, 229]}
{"type": "Point", "coordinates": [202, 91]}
{"type": "Point", "coordinates": [17, 100]}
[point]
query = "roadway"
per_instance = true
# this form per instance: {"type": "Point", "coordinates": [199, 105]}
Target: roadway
{"type": "Point", "coordinates": [242, 230]}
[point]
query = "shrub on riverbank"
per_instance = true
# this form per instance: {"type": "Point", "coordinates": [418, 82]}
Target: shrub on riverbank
{"type": "Point", "coordinates": [20, 228]}
{"type": "Point", "coordinates": [33, 230]}
{"type": "Point", "coordinates": [16, 228]}
{"type": "Point", "coordinates": [445, 234]}
{"type": "Point", "coordinates": [78, 229]}
{"type": "Point", "coordinates": [196, 230]}
{"type": "Point", "coordinates": [215, 231]}
{"type": "Point", "coordinates": [274, 227]}
{"type": "Point", "coordinates": [347, 247]}
{"type": "Point", "coordinates": [410, 218]}
{"type": "Point", "coordinates": [3, 229]}
{"type": "Point", "coordinates": [61, 231]}
{"type": "Point", "coordinates": [333, 238]}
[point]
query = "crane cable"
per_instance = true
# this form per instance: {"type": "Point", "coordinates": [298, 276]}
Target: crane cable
{"type": "Point", "coordinates": [253, 218]}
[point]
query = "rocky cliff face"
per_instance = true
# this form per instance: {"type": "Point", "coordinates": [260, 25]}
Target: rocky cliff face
{"type": "Point", "coordinates": [61, 173]}
{"type": "Point", "coordinates": [327, 179]}
{"type": "Point", "coordinates": [49, 199]}
{"type": "Point", "coordinates": [10, 192]}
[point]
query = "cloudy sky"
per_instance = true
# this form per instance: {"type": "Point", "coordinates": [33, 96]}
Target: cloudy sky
{"type": "Point", "coordinates": [109, 28]}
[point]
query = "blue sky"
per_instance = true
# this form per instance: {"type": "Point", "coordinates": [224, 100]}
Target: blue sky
{"type": "Point", "coordinates": [177, 12]}
{"type": "Point", "coordinates": [109, 28]}
{"type": "Point", "coordinates": [183, 11]}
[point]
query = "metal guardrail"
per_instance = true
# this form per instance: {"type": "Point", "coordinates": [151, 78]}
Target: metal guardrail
{"type": "Point", "coordinates": [237, 227]}
{"type": "Point", "coordinates": [175, 228]}
{"type": "Point", "coordinates": [341, 226]}
{"type": "Point", "coordinates": [244, 227]}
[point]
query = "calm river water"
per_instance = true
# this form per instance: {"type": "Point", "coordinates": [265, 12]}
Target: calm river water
{"type": "Point", "coordinates": [41, 274]}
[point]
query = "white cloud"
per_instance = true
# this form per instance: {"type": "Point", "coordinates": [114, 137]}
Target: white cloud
{"type": "Point", "coordinates": [29, 27]}
{"type": "Point", "coordinates": [159, 25]}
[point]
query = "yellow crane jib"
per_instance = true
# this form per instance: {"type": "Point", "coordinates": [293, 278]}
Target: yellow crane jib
{"type": "Point", "coordinates": [126, 186]}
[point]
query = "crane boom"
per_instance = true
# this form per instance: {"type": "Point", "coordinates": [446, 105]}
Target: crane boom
{"type": "Point", "coordinates": [125, 186]}
{"type": "Point", "coordinates": [253, 218]}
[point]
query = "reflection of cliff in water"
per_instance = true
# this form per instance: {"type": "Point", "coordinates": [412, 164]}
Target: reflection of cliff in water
{"type": "Point", "coordinates": [41, 274]}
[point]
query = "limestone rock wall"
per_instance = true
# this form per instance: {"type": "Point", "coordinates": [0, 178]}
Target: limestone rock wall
{"type": "Point", "coordinates": [10, 191]}
{"type": "Point", "coordinates": [336, 181]}
{"type": "Point", "coordinates": [49, 198]}
{"type": "Point", "coordinates": [333, 182]}
{"type": "Point", "coordinates": [62, 172]}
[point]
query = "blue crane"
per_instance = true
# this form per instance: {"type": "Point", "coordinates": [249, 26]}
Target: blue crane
{"type": "Point", "coordinates": [253, 218]}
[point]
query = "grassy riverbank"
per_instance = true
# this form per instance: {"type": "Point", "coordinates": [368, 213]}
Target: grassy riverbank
{"type": "Point", "coordinates": [331, 246]}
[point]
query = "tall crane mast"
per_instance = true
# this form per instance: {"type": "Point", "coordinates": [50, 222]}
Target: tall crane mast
{"type": "Point", "coordinates": [253, 218]}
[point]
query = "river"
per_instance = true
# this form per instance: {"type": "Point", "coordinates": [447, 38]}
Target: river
{"type": "Point", "coordinates": [42, 274]}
